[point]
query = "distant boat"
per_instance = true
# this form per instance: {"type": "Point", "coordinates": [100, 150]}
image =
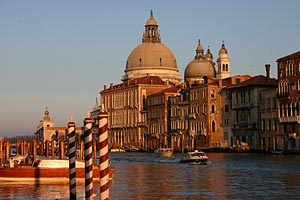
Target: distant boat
{"type": "Point", "coordinates": [45, 171]}
{"type": "Point", "coordinates": [194, 157]}
{"type": "Point", "coordinates": [117, 150]}
{"type": "Point", "coordinates": [164, 152]}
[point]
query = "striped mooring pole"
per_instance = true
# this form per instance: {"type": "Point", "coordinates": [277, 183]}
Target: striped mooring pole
{"type": "Point", "coordinates": [72, 159]}
{"type": "Point", "coordinates": [103, 145]}
{"type": "Point", "coordinates": [88, 156]}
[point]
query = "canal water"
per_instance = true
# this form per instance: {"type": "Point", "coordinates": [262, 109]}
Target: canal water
{"type": "Point", "coordinates": [148, 176]}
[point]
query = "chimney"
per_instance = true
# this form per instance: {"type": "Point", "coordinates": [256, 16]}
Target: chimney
{"type": "Point", "coordinates": [104, 87]}
{"type": "Point", "coordinates": [267, 66]}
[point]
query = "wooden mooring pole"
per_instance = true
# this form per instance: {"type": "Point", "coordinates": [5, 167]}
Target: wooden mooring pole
{"type": "Point", "coordinates": [88, 157]}
{"type": "Point", "coordinates": [72, 159]}
{"type": "Point", "coordinates": [103, 144]}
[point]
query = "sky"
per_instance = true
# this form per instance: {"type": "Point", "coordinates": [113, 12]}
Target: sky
{"type": "Point", "coordinates": [60, 54]}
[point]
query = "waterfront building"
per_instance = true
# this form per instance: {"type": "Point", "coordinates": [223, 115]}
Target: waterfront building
{"type": "Point", "coordinates": [288, 68]}
{"type": "Point", "coordinates": [226, 107]}
{"type": "Point", "coordinates": [195, 115]}
{"type": "Point", "coordinates": [125, 105]}
{"type": "Point", "coordinates": [245, 109]}
{"type": "Point", "coordinates": [46, 131]}
{"type": "Point", "coordinates": [157, 111]}
{"type": "Point", "coordinates": [271, 140]}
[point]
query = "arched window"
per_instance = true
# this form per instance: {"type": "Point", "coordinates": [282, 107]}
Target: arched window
{"type": "Point", "coordinates": [213, 108]}
{"type": "Point", "coordinates": [293, 108]}
{"type": "Point", "coordinates": [226, 67]}
{"type": "Point", "coordinates": [288, 110]}
{"type": "Point", "coordinates": [294, 69]}
{"type": "Point", "coordinates": [223, 67]}
{"type": "Point", "coordinates": [213, 126]}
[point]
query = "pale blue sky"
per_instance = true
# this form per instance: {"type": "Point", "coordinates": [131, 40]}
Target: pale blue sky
{"type": "Point", "coordinates": [60, 53]}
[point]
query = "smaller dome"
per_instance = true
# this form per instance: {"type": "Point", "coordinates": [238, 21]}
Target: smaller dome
{"type": "Point", "coordinates": [151, 21]}
{"type": "Point", "coordinates": [200, 67]}
{"type": "Point", "coordinates": [199, 48]}
{"type": "Point", "coordinates": [209, 55]}
{"type": "Point", "coordinates": [46, 112]}
{"type": "Point", "coordinates": [223, 50]}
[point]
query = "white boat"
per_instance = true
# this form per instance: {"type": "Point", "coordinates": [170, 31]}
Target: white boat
{"type": "Point", "coordinates": [194, 157]}
{"type": "Point", "coordinates": [164, 152]}
{"type": "Point", "coordinates": [117, 150]}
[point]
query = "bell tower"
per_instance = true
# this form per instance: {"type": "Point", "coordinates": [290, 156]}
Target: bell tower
{"type": "Point", "coordinates": [223, 63]}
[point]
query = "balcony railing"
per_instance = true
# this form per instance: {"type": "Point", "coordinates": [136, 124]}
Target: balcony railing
{"type": "Point", "coordinates": [289, 119]}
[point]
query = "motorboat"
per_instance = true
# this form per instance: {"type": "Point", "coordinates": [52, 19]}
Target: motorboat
{"type": "Point", "coordinates": [164, 152]}
{"type": "Point", "coordinates": [117, 150]}
{"type": "Point", "coordinates": [194, 157]}
{"type": "Point", "coordinates": [45, 171]}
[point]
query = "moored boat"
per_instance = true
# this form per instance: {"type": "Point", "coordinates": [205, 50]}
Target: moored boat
{"type": "Point", "coordinates": [164, 152]}
{"type": "Point", "coordinates": [46, 171]}
{"type": "Point", "coordinates": [194, 157]}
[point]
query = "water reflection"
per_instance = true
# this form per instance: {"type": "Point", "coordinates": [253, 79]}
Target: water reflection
{"type": "Point", "coordinates": [229, 176]}
{"type": "Point", "coordinates": [146, 176]}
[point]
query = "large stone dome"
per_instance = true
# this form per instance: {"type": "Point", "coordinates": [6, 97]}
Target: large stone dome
{"type": "Point", "coordinates": [151, 57]}
{"type": "Point", "coordinates": [199, 68]}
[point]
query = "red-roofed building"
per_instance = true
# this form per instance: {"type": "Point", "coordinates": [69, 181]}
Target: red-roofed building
{"type": "Point", "coordinates": [157, 111]}
{"type": "Point", "coordinates": [226, 105]}
{"type": "Point", "coordinates": [245, 113]}
{"type": "Point", "coordinates": [125, 104]}
{"type": "Point", "coordinates": [288, 68]}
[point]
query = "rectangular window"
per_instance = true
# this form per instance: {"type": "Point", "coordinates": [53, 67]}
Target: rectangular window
{"type": "Point", "coordinates": [226, 108]}
{"type": "Point", "coordinates": [225, 135]}
{"type": "Point", "coordinates": [212, 93]}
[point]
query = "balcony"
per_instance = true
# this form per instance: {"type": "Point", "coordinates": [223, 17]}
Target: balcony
{"type": "Point", "coordinates": [289, 119]}
{"type": "Point", "coordinates": [241, 126]}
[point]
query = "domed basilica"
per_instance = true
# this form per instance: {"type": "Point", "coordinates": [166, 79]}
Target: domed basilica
{"type": "Point", "coordinates": [152, 57]}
